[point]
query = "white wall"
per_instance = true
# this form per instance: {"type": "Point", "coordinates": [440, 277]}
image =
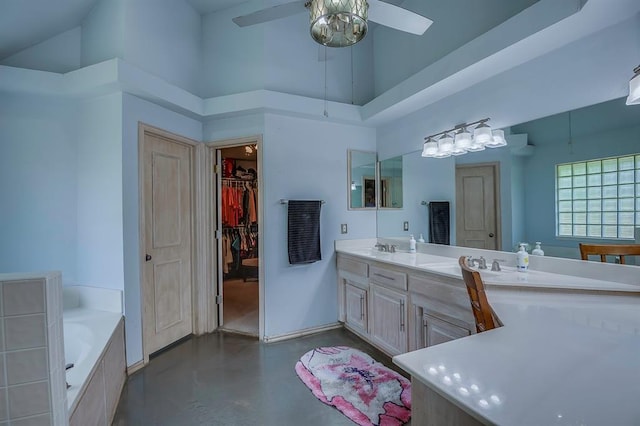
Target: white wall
{"type": "Point", "coordinates": [37, 183]}
{"type": "Point", "coordinates": [307, 159]}
{"type": "Point", "coordinates": [423, 179]}
{"type": "Point", "coordinates": [134, 111]}
{"type": "Point", "coordinates": [58, 54]}
{"type": "Point", "coordinates": [99, 185]}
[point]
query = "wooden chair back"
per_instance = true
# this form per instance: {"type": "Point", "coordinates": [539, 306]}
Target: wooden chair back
{"type": "Point", "coordinates": [604, 250]}
{"type": "Point", "coordinates": [479, 304]}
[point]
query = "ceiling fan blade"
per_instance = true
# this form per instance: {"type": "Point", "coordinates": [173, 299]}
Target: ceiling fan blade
{"type": "Point", "coordinates": [398, 18]}
{"type": "Point", "coordinates": [270, 13]}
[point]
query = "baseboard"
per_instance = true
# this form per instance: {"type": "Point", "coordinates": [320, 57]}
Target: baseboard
{"type": "Point", "coordinates": [135, 367]}
{"type": "Point", "coordinates": [300, 333]}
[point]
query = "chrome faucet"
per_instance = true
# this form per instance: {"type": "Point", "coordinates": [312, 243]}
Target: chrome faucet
{"type": "Point", "coordinates": [382, 247]}
{"type": "Point", "coordinates": [482, 263]}
{"type": "Point", "coordinates": [495, 266]}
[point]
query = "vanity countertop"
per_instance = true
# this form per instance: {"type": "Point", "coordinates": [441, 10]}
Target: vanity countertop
{"type": "Point", "coordinates": [561, 358]}
{"type": "Point", "coordinates": [448, 266]}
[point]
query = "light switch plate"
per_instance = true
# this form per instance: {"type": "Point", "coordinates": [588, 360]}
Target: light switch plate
{"type": "Point", "coordinates": [343, 228]}
{"type": "Point", "coordinates": [406, 225]}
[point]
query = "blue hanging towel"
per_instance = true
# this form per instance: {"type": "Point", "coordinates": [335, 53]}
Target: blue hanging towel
{"type": "Point", "coordinates": [303, 234]}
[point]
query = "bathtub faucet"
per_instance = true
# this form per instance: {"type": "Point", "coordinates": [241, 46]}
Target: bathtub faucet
{"type": "Point", "coordinates": [67, 367]}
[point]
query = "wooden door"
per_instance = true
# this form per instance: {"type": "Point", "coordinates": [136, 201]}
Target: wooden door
{"type": "Point", "coordinates": [389, 319]}
{"type": "Point", "coordinates": [477, 214]}
{"type": "Point", "coordinates": [356, 307]}
{"type": "Point", "coordinates": [167, 203]}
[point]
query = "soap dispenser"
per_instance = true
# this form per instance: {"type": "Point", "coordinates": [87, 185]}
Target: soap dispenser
{"type": "Point", "coordinates": [538, 251]}
{"type": "Point", "coordinates": [523, 259]}
{"type": "Point", "coordinates": [412, 244]}
{"type": "Point", "coordinates": [421, 239]}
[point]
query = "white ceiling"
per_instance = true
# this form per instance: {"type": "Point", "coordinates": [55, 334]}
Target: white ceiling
{"type": "Point", "coordinates": [24, 23]}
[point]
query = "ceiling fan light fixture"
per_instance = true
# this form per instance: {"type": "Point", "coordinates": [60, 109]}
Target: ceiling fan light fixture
{"type": "Point", "coordinates": [338, 23]}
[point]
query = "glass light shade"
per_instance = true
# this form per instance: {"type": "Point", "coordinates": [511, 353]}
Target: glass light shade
{"type": "Point", "coordinates": [463, 139]}
{"type": "Point", "coordinates": [634, 88]}
{"type": "Point", "coordinates": [498, 139]}
{"type": "Point", "coordinates": [445, 143]}
{"type": "Point", "coordinates": [338, 23]}
{"type": "Point", "coordinates": [441, 154]}
{"type": "Point", "coordinates": [430, 148]}
{"type": "Point", "coordinates": [475, 147]}
{"type": "Point", "coordinates": [482, 134]}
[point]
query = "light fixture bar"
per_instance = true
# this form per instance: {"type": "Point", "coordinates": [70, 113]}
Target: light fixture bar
{"type": "Point", "coordinates": [458, 127]}
{"type": "Point", "coordinates": [459, 140]}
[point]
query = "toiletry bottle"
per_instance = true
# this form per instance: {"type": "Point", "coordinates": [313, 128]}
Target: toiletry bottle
{"type": "Point", "coordinates": [421, 240]}
{"type": "Point", "coordinates": [538, 251]}
{"type": "Point", "coordinates": [412, 244]}
{"type": "Point", "coordinates": [523, 259]}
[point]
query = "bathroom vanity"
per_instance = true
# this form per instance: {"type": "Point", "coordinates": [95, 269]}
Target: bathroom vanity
{"type": "Point", "coordinates": [565, 354]}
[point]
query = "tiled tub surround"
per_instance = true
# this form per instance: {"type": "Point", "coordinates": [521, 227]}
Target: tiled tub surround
{"type": "Point", "coordinates": [94, 343]}
{"type": "Point", "coordinates": [567, 353]}
{"type": "Point", "coordinates": [32, 382]}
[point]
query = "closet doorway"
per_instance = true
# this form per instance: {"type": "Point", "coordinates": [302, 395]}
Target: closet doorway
{"type": "Point", "coordinates": [238, 255]}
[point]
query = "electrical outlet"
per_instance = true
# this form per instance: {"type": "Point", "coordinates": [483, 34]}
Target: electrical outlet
{"type": "Point", "coordinates": [406, 225]}
{"type": "Point", "coordinates": [343, 228]}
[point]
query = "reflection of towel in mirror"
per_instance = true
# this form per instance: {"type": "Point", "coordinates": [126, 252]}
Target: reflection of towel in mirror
{"type": "Point", "coordinates": [304, 231]}
{"type": "Point", "coordinates": [439, 222]}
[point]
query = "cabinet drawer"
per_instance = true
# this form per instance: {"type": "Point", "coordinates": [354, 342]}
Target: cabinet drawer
{"type": "Point", "coordinates": [353, 266]}
{"type": "Point", "coordinates": [388, 278]}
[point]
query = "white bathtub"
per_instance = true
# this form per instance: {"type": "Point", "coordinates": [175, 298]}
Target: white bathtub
{"type": "Point", "coordinates": [86, 335]}
{"type": "Point", "coordinates": [87, 332]}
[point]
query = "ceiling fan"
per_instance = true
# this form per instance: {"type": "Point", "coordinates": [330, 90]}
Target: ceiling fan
{"type": "Point", "coordinates": [341, 23]}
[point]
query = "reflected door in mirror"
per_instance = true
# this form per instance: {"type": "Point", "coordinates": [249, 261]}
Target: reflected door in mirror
{"type": "Point", "coordinates": [477, 216]}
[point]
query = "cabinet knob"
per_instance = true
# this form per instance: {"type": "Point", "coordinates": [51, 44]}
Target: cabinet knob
{"type": "Point", "coordinates": [147, 257]}
{"type": "Point", "coordinates": [491, 234]}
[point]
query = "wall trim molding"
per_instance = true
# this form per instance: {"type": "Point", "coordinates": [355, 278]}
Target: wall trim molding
{"type": "Point", "coordinates": [300, 333]}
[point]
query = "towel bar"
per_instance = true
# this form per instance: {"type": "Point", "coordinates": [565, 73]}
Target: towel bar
{"type": "Point", "coordinates": [285, 201]}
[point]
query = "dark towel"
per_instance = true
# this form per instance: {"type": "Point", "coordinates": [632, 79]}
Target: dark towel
{"type": "Point", "coordinates": [439, 222]}
{"type": "Point", "coordinates": [304, 231]}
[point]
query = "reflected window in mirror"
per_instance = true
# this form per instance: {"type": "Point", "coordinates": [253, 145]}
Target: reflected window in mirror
{"type": "Point", "coordinates": [362, 188]}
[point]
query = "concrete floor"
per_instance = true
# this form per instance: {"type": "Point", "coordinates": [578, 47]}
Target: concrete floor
{"type": "Point", "coordinates": [227, 379]}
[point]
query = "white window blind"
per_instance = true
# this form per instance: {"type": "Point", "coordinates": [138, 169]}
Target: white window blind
{"type": "Point", "coordinates": [598, 198]}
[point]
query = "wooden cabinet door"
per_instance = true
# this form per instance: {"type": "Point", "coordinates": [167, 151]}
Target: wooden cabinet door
{"type": "Point", "coordinates": [356, 307]}
{"type": "Point", "coordinates": [439, 331]}
{"type": "Point", "coordinates": [389, 319]}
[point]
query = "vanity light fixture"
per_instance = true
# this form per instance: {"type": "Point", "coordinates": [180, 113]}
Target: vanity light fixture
{"type": "Point", "coordinates": [634, 88]}
{"type": "Point", "coordinates": [462, 140]}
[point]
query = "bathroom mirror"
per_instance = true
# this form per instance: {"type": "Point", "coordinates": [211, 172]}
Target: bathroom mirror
{"type": "Point", "coordinates": [362, 178]}
{"type": "Point", "coordinates": [391, 183]}
{"type": "Point", "coordinates": [526, 174]}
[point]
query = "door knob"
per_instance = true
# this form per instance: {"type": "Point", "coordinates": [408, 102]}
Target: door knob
{"type": "Point", "coordinates": [147, 257]}
{"type": "Point", "coordinates": [491, 234]}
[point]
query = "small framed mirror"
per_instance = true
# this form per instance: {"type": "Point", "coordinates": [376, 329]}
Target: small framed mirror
{"type": "Point", "coordinates": [362, 178]}
{"type": "Point", "coordinates": [390, 188]}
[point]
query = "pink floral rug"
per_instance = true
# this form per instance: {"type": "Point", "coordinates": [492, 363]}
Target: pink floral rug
{"type": "Point", "coordinates": [363, 389]}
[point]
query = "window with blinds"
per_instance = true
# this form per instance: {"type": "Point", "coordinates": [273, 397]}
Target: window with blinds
{"type": "Point", "coordinates": [598, 198]}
